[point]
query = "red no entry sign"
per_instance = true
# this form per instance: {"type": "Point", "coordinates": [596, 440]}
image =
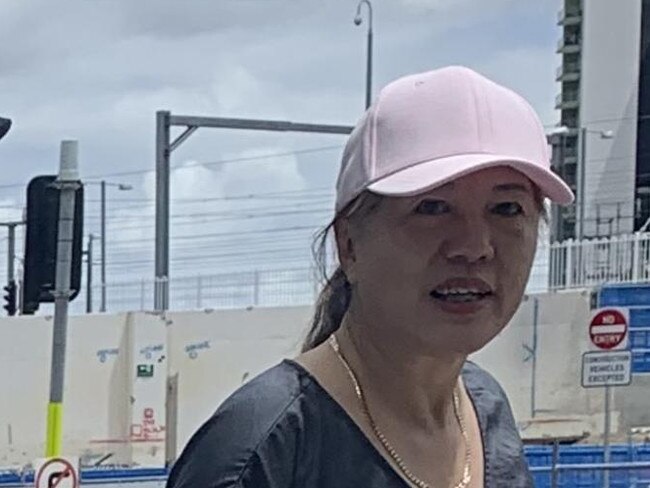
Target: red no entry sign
{"type": "Point", "coordinates": [608, 328]}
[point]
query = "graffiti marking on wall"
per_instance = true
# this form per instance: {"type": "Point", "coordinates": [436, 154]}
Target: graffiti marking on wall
{"type": "Point", "coordinates": [148, 429]}
{"type": "Point", "coordinates": [149, 351]}
{"type": "Point", "coordinates": [103, 354]}
{"type": "Point", "coordinates": [192, 350]}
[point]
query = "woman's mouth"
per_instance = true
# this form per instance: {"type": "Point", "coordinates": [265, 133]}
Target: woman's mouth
{"type": "Point", "coordinates": [460, 295]}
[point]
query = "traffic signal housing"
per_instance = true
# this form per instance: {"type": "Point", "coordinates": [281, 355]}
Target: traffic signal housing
{"type": "Point", "coordinates": [10, 298]}
{"type": "Point", "coordinates": [41, 239]}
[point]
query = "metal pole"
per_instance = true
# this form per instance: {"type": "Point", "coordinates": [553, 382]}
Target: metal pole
{"type": "Point", "coordinates": [581, 189]}
{"type": "Point", "coordinates": [102, 307]}
{"type": "Point", "coordinates": [164, 148]}
{"type": "Point", "coordinates": [369, 61]}
{"type": "Point", "coordinates": [256, 288]}
{"type": "Point", "coordinates": [89, 275]}
{"type": "Point", "coordinates": [161, 292]}
{"type": "Point", "coordinates": [199, 291]}
{"type": "Point", "coordinates": [554, 463]}
{"type": "Point", "coordinates": [68, 182]}
{"type": "Point", "coordinates": [533, 407]}
{"type": "Point", "coordinates": [606, 429]}
{"type": "Point", "coordinates": [142, 294]}
{"type": "Point", "coordinates": [11, 252]}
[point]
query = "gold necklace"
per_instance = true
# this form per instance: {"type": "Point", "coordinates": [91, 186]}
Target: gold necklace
{"type": "Point", "coordinates": [333, 342]}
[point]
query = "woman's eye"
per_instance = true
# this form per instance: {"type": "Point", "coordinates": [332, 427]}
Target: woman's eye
{"type": "Point", "coordinates": [432, 207]}
{"type": "Point", "coordinates": [508, 209]}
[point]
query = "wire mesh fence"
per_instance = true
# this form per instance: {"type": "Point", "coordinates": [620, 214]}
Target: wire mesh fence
{"type": "Point", "coordinates": [259, 288]}
{"type": "Point", "coordinates": [563, 265]}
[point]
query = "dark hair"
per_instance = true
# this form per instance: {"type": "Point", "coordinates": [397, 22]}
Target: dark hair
{"type": "Point", "coordinates": [336, 293]}
{"type": "Point", "coordinates": [335, 296]}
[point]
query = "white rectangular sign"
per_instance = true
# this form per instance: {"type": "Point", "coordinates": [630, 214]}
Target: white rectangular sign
{"type": "Point", "coordinates": [606, 368]}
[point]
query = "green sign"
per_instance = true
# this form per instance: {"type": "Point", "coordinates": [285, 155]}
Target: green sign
{"type": "Point", "coordinates": [145, 370]}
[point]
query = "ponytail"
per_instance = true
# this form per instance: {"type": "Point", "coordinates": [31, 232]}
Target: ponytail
{"type": "Point", "coordinates": [334, 299]}
{"type": "Point", "coordinates": [331, 306]}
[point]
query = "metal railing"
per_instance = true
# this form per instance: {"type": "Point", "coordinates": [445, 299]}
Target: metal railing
{"type": "Point", "coordinates": [564, 14]}
{"type": "Point", "coordinates": [593, 262]}
{"type": "Point", "coordinates": [569, 68]}
{"type": "Point", "coordinates": [566, 97]}
{"type": "Point", "coordinates": [567, 43]}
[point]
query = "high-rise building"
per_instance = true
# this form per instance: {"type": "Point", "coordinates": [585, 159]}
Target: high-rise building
{"type": "Point", "coordinates": [602, 146]}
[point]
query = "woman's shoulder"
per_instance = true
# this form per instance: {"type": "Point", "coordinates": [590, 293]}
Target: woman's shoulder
{"type": "Point", "coordinates": [489, 398]}
{"type": "Point", "coordinates": [269, 393]}
{"type": "Point", "coordinates": [233, 440]}
{"type": "Point", "coordinates": [502, 446]}
{"type": "Point", "coordinates": [477, 379]}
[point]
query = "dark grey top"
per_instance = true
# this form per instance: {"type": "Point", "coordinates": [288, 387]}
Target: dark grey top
{"type": "Point", "coordinates": [283, 430]}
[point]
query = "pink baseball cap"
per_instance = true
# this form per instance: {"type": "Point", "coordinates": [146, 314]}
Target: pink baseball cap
{"type": "Point", "coordinates": [427, 129]}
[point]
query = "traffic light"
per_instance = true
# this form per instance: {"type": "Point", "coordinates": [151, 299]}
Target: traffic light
{"type": "Point", "coordinates": [10, 298]}
{"type": "Point", "coordinates": [42, 229]}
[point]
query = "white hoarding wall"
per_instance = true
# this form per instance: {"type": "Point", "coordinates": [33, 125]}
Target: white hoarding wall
{"type": "Point", "coordinates": [214, 352]}
{"type": "Point", "coordinates": [138, 385]}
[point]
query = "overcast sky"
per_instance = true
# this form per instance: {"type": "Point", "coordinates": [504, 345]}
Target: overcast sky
{"type": "Point", "coordinates": [98, 70]}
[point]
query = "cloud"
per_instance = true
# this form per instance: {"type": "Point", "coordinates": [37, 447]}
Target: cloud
{"type": "Point", "coordinates": [103, 68]}
{"type": "Point", "coordinates": [530, 72]}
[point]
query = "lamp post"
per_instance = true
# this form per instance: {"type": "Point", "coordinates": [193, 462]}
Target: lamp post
{"type": "Point", "coordinates": [103, 185]}
{"type": "Point", "coordinates": [357, 21]}
{"type": "Point", "coordinates": [582, 160]}
{"type": "Point", "coordinates": [584, 131]}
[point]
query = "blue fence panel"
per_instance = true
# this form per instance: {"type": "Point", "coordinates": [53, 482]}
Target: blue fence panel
{"type": "Point", "coordinates": [641, 361]}
{"type": "Point", "coordinates": [640, 317]}
{"type": "Point", "coordinates": [639, 339]}
{"type": "Point", "coordinates": [583, 454]}
{"type": "Point", "coordinates": [537, 456]}
{"type": "Point", "coordinates": [624, 295]}
{"type": "Point", "coordinates": [637, 297]}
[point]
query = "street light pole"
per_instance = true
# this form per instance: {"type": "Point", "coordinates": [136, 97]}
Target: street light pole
{"type": "Point", "coordinates": [89, 274]}
{"type": "Point", "coordinates": [358, 20]}
{"type": "Point", "coordinates": [580, 214]}
{"type": "Point", "coordinates": [103, 186]}
{"type": "Point", "coordinates": [102, 307]}
{"type": "Point", "coordinates": [582, 168]}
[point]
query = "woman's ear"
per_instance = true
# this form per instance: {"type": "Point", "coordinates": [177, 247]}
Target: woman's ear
{"type": "Point", "coordinates": [345, 247]}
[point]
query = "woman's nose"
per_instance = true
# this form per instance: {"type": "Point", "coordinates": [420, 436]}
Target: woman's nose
{"type": "Point", "coordinates": [469, 240]}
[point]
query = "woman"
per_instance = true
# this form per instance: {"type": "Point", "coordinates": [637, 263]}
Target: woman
{"type": "Point", "coordinates": [439, 202]}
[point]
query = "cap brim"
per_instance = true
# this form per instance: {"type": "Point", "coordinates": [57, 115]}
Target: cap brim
{"type": "Point", "coordinates": [429, 175]}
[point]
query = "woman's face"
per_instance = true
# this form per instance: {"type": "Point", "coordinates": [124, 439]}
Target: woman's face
{"type": "Point", "coordinates": [445, 270]}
